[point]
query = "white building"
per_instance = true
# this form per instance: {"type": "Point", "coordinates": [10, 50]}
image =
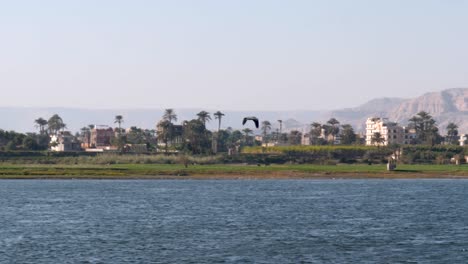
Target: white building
{"type": "Point", "coordinates": [64, 141]}
{"type": "Point", "coordinates": [391, 132]}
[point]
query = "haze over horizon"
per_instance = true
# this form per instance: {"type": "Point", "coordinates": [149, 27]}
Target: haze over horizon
{"type": "Point", "coordinates": [242, 55]}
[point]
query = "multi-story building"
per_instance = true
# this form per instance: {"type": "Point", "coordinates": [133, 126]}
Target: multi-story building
{"type": "Point", "coordinates": [101, 137]}
{"type": "Point", "coordinates": [391, 132]}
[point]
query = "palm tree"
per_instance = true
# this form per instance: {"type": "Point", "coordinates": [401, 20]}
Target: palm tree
{"type": "Point", "coordinates": [377, 139]}
{"type": "Point", "coordinates": [165, 128]}
{"type": "Point", "coordinates": [425, 127]}
{"type": "Point", "coordinates": [266, 127]}
{"type": "Point", "coordinates": [315, 132]}
{"type": "Point", "coordinates": [41, 123]}
{"type": "Point", "coordinates": [280, 128]}
{"type": "Point", "coordinates": [55, 124]}
{"type": "Point", "coordinates": [204, 117]}
{"type": "Point", "coordinates": [247, 132]}
{"type": "Point", "coordinates": [119, 120]}
{"type": "Point", "coordinates": [165, 131]}
{"type": "Point", "coordinates": [347, 136]}
{"type": "Point", "coordinates": [170, 115]}
{"type": "Point", "coordinates": [334, 128]}
{"type": "Point", "coordinates": [218, 115]}
{"type": "Point", "coordinates": [452, 132]}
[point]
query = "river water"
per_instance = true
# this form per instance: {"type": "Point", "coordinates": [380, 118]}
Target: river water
{"type": "Point", "coordinates": [238, 221]}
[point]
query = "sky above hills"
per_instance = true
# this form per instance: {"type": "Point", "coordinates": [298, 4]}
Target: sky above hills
{"type": "Point", "coordinates": [228, 55]}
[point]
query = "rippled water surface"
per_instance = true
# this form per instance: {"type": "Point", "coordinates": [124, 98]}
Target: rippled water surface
{"type": "Point", "coordinates": [244, 221]}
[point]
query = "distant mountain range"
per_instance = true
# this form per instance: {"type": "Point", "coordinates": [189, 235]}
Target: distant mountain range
{"type": "Point", "coordinates": [445, 106]}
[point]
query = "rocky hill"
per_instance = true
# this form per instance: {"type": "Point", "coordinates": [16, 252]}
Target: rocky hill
{"type": "Point", "coordinates": [445, 106]}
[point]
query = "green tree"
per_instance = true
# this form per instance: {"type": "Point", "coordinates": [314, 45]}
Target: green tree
{"type": "Point", "coordinates": [452, 133]}
{"type": "Point", "coordinates": [315, 132]}
{"type": "Point", "coordinates": [165, 132]}
{"type": "Point", "coordinates": [120, 140]}
{"type": "Point", "coordinates": [170, 115]}
{"type": "Point", "coordinates": [166, 127]}
{"type": "Point", "coordinates": [234, 140]}
{"type": "Point", "coordinates": [426, 130]}
{"type": "Point", "coordinates": [136, 136]}
{"type": "Point", "coordinates": [333, 128]}
{"type": "Point", "coordinates": [280, 131]}
{"type": "Point", "coordinates": [265, 127]}
{"type": "Point", "coordinates": [204, 117]}
{"type": "Point", "coordinates": [247, 137]}
{"type": "Point", "coordinates": [223, 136]}
{"type": "Point", "coordinates": [294, 137]}
{"type": "Point", "coordinates": [348, 136]}
{"type": "Point", "coordinates": [377, 139]}
{"type": "Point", "coordinates": [41, 123]}
{"type": "Point", "coordinates": [119, 120]}
{"type": "Point", "coordinates": [55, 124]}
{"type": "Point", "coordinates": [218, 115]}
{"type": "Point", "coordinates": [30, 143]}
{"type": "Point", "coordinates": [196, 137]}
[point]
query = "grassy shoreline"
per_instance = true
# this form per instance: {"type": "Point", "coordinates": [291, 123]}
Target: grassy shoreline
{"type": "Point", "coordinates": [240, 171]}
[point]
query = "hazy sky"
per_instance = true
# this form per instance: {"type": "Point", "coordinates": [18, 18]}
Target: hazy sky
{"type": "Point", "coordinates": [228, 55]}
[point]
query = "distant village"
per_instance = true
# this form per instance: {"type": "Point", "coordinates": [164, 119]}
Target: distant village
{"type": "Point", "coordinates": [192, 136]}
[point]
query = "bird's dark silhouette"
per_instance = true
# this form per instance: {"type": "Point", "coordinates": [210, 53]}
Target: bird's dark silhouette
{"type": "Point", "coordinates": [253, 118]}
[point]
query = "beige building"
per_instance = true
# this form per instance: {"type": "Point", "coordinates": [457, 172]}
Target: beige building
{"type": "Point", "coordinates": [391, 132]}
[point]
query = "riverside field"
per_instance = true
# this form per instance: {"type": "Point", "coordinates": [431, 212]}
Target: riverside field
{"type": "Point", "coordinates": [230, 171]}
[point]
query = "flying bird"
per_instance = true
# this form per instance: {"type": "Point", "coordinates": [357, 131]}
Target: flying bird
{"type": "Point", "coordinates": [253, 118]}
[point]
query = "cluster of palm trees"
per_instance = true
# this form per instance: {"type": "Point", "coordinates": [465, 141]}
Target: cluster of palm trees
{"type": "Point", "coordinates": [194, 131]}
{"type": "Point", "coordinates": [327, 133]}
{"type": "Point", "coordinates": [51, 126]}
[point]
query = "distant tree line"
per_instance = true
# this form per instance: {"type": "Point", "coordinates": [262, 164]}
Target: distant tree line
{"type": "Point", "coordinates": [193, 137]}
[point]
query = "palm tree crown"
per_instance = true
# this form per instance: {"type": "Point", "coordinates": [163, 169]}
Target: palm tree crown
{"type": "Point", "coordinates": [55, 124]}
{"type": "Point", "coordinates": [204, 117]}
{"type": "Point", "coordinates": [266, 127]}
{"type": "Point", "coordinates": [218, 115]}
{"type": "Point", "coordinates": [41, 123]}
{"type": "Point", "coordinates": [170, 115]}
{"type": "Point", "coordinates": [119, 120]}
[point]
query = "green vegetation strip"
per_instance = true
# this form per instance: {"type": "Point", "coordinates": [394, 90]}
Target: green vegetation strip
{"type": "Point", "coordinates": [135, 170]}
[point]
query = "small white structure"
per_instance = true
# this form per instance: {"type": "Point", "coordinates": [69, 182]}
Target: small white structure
{"type": "Point", "coordinates": [463, 139]}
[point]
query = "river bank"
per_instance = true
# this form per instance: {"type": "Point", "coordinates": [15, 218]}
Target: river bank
{"type": "Point", "coordinates": [240, 171]}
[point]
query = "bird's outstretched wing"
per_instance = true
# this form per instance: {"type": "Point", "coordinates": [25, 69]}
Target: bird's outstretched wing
{"type": "Point", "coordinates": [244, 121]}
{"type": "Point", "coordinates": [256, 122]}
